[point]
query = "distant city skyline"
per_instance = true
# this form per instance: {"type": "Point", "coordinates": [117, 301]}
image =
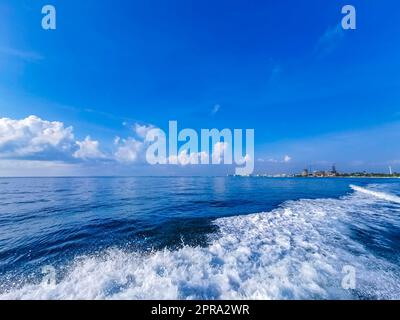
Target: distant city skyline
{"type": "Point", "coordinates": [78, 100]}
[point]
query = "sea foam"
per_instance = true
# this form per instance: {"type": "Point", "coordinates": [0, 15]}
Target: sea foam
{"type": "Point", "coordinates": [297, 251]}
{"type": "Point", "coordinates": [377, 194]}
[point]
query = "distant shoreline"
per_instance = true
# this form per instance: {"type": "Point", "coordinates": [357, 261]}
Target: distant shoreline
{"type": "Point", "coordinates": [216, 176]}
{"type": "Point", "coordinates": [352, 177]}
{"type": "Point", "coordinates": [311, 177]}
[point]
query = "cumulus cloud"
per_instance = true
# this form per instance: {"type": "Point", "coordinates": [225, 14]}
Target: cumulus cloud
{"type": "Point", "coordinates": [142, 130]}
{"type": "Point", "coordinates": [184, 158]}
{"type": "Point", "coordinates": [32, 136]}
{"type": "Point", "coordinates": [217, 156]}
{"type": "Point", "coordinates": [219, 151]}
{"type": "Point", "coordinates": [88, 149]}
{"type": "Point", "coordinates": [287, 159]}
{"type": "Point", "coordinates": [129, 150]}
{"type": "Point", "coordinates": [34, 139]}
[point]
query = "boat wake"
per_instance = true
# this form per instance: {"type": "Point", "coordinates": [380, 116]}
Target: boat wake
{"type": "Point", "coordinates": [297, 251]}
{"type": "Point", "coordinates": [380, 195]}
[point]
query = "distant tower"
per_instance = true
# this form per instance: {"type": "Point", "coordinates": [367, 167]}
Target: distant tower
{"type": "Point", "coordinates": [334, 169]}
{"type": "Point", "coordinates": [390, 170]}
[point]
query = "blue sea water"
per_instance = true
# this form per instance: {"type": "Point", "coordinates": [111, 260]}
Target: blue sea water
{"type": "Point", "coordinates": [199, 238]}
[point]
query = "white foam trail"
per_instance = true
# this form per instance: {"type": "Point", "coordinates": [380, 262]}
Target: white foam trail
{"type": "Point", "coordinates": [297, 251]}
{"type": "Point", "coordinates": [376, 194]}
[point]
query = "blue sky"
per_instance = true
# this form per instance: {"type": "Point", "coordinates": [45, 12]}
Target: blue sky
{"type": "Point", "coordinates": [314, 93]}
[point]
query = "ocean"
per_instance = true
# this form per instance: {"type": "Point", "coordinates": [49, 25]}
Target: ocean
{"type": "Point", "coordinates": [199, 238]}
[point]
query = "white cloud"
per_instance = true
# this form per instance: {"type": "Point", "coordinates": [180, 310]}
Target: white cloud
{"type": "Point", "coordinates": [88, 149]}
{"type": "Point", "coordinates": [128, 150]}
{"type": "Point", "coordinates": [215, 109]}
{"type": "Point", "coordinates": [219, 151]}
{"type": "Point", "coordinates": [203, 156]}
{"type": "Point", "coordinates": [132, 149]}
{"type": "Point", "coordinates": [287, 159]}
{"type": "Point", "coordinates": [32, 136]}
{"type": "Point", "coordinates": [142, 130]}
{"type": "Point", "coordinates": [184, 158]}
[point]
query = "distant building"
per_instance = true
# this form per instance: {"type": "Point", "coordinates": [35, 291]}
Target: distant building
{"type": "Point", "coordinates": [319, 174]}
{"type": "Point", "coordinates": [333, 172]}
